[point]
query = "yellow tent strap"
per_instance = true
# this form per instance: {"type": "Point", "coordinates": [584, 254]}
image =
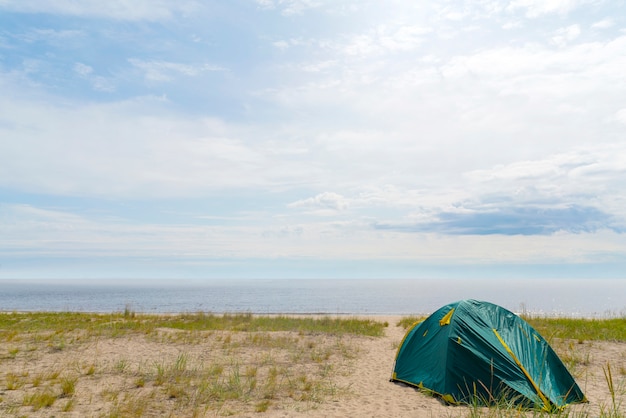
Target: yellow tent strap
{"type": "Point", "coordinates": [546, 403]}
{"type": "Point", "coordinates": [446, 319]}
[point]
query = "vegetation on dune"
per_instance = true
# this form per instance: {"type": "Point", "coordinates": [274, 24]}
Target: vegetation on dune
{"type": "Point", "coordinates": [241, 363]}
{"type": "Point", "coordinates": [608, 329]}
{"type": "Point", "coordinates": [127, 321]}
{"type": "Point", "coordinates": [407, 322]}
{"type": "Point", "coordinates": [580, 329]}
{"type": "Point", "coordinates": [230, 364]}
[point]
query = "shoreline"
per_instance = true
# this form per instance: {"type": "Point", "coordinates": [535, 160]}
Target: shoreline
{"type": "Point", "coordinates": [530, 315]}
{"type": "Point", "coordinates": [545, 298]}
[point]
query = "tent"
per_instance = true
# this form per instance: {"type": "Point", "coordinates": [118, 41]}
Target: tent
{"type": "Point", "coordinates": [477, 352]}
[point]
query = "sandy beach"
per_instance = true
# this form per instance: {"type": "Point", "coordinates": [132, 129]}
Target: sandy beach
{"type": "Point", "coordinates": [153, 375]}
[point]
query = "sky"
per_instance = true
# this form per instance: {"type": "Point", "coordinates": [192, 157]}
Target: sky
{"type": "Point", "coordinates": [312, 138]}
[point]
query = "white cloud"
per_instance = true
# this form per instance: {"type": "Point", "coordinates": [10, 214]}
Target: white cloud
{"type": "Point", "coordinates": [536, 8]}
{"type": "Point", "coordinates": [282, 45]}
{"type": "Point", "coordinates": [83, 69]}
{"type": "Point", "coordinates": [325, 204]}
{"type": "Point", "coordinates": [535, 96]}
{"type": "Point", "coordinates": [564, 36]}
{"type": "Point", "coordinates": [588, 176]}
{"type": "Point", "coordinates": [99, 83]}
{"type": "Point", "coordinates": [30, 231]}
{"type": "Point", "coordinates": [103, 84]}
{"type": "Point", "coordinates": [383, 39]}
{"type": "Point", "coordinates": [114, 9]}
{"type": "Point", "coordinates": [319, 66]}
{"type": "Point", "coordinates": [603, 24]}
{"type": "Point", "coordinates": [165, 70]}
{"type": "Point", "coordinates": [402, 38]}
{"type": "Point", "coordinates": [268, 4]}
{"type": "Point", "coordinates": [383, 114]}
{"type": "Point", "coordinates": [290, 7]}
{"type": "Point", "coordinates": [133, 149]}
{"type": "Point", "coordinates": [53, 36]}
{"type": "Point", "coordinates": [620, 116]}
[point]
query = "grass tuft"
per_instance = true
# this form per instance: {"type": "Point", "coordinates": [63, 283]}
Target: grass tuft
{"type": "Point", "coordinates": [40, 399]}
{"type": "Point", "coordinates": [408, 321]}
{"type": "Point", "coordinates": [68, 387]}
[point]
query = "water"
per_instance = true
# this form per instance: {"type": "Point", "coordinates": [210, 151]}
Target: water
{"type": "Point", "coordinates": [562, 297]}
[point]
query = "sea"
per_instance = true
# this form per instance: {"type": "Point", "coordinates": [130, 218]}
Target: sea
{"type": "Point", "coordinates": [593, 298]}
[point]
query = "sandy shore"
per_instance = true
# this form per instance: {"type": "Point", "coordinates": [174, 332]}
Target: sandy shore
{"type": "Point", "coordinates": [119, 376]}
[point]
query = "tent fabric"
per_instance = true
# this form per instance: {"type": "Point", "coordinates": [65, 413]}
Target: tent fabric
{"type": "Point", "coordinates": [477, 352]}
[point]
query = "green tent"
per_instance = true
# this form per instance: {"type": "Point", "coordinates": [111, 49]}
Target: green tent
{"type": "Point", "coordinates": [478, 352]}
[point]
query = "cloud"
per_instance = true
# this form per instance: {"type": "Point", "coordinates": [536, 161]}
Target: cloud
{"type": "Point", "coordinates": [290, 7]}
{"type": "Point", "coordinates": [98, 83]}
{"type": "Point", "coordinates": [151, 10]}
{"type": "Point", "coordinates": [82, 69]}
{"type": "Point", "coordinates": [31, 232]}
{"type": "Point", "coordinates": [527, 220]}
{"type": "Point", "coordinates": [331, 133]}
{"type": "Point", "coordinates": [620, 116]}
{"type": "Point", "coordinates": [103, 84]}
{"type": "Point", "coordinates": [564, 36]}
{"type": "Point", "coordinates": [134, 148]}
{"type": "Point", "coordinates": [575, 192]}
{"type": "Point", "coordinates": [537, 8]}
{"type": "Point", "coordinates": [282, 45]}
{"type": "Point", "coordinates": [508, 87]}
{"type": "Point", "coordinates": [106, 144]}
{"type": "Point", "coordinates": [603, 24]}
{"type": "Point", "coordinates": [580, 165]}
{"type": "Point", "coordinates": [163, 71]}
{"type": "Point", "coordinates": [384, 39]}
{"type": "Point", "coordinates": [58, 37]}
{"type": "Point", "coordinates": [324, 204]}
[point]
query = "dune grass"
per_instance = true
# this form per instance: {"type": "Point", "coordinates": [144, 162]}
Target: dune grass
{"type": "Point", "coordinates": [606, 329]}
{"type": "Point", "coordinates": [407, 322]}
{"type": "Point", "coordinates": [118, 324]}
{"type": "Point", "coordinates": [211, 364]}
{"type": "Point", "coordinates": [580, 329]}
{"type": "Point", "coordinates": [221, 365]}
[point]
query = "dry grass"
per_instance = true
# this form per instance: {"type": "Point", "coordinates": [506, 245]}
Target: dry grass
{"type": "Point", "coordinates": [129, 365]}
{"type": "Point", "coordinates": [195, 365]}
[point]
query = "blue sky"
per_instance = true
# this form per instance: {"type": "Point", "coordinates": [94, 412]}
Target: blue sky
{"type": "Point", "coordinates": [312, 138]}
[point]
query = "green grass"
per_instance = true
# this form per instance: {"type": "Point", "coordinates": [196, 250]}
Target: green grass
{"type": "Point", "coordinates": [68, 387]}
{"type": "Point", "coordinates": [610, 329]}
{"type": "Point", "coordinates": [579, 329]}
{"type": "Point", "coordinates": [242, 362]}
{"type": "Point", "coordinates": [40, 399]}
{"type": "Point", "coordinates": [252, 323]}
{"type": "Point", "coordinates": [407, 322]}
{"type": "Point", "coordinates": [119, 324]}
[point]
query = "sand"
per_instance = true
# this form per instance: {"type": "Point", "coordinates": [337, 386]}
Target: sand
{"type": "Point", "coordinates": [110, 376]}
